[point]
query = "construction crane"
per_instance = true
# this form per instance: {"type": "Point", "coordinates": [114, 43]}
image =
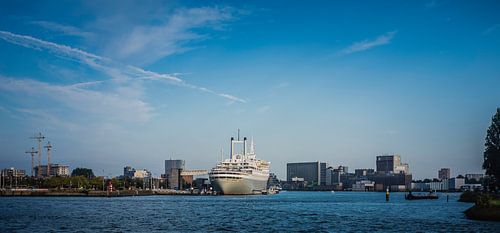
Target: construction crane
{"type": "Point", "coordinates": [49, 149]}
{"type": "Point", "coordinates": [32, 152]}
{"type": "Point", "coordinates": [39, 137]}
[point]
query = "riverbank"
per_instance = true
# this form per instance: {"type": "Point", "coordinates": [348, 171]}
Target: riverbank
{"type": "Point", "coordinates": [88, 193]}
{"type": "Point", "coordinates": [485, 213]}
{"type": "Point", "coordinates": [486, 207]}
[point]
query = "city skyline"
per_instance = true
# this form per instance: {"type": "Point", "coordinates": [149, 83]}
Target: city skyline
{"type": "Point", "coordinates": [116, 84]}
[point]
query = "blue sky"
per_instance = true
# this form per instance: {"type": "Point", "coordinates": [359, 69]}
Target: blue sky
{"type": "Point", "coordinates": [134, 83]}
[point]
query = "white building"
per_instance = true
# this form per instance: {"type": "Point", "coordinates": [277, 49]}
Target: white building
{"type": "Point", "coordinates": [363, 185]}
{"type": "Point", "coordinates": [420, 186]}
{"type": "Point", "coordinates": [455, 183]}
{"type": "Point", "coordinates": [141, 173]}
{"type": "Point", "coordinates": [452, 184]}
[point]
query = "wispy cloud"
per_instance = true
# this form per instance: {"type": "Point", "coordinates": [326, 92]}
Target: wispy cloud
{"type": "Point", "coordinates": [109, 105]}
{"type": "Point", "coordinates": [263, 109]}
{"type": "Point", "coordinates": [48, 120]}
{"type": "Point", "coordinates": [369, 43]}
{"type": "Point", "coordinates": [64, 29]}
{"type": "Point", "coordinates": [491, 29]}
{"type": "Point", "coordinates": [116, 70]}
{"type": "Point", "coordinates": [173, 31]}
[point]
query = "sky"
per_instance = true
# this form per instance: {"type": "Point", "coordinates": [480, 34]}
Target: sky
{"type": "Point", "coordinates": [132, 83]}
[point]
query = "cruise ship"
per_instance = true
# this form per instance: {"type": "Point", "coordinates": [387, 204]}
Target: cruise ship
{"type": "Point", "coordinates": [242, 173]}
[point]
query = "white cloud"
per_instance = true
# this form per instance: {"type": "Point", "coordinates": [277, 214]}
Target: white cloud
{"type": "Point", "coordinates": [116, 70]}
{"type": "Point", "coordinates": [47, 119]}
{"type": "Point", "coordinates": [64, 29]}
{"type": "Point", "coordinates": [143, 42]}
{"type": "Point", "coordinates": [116, 105]}
{"type": "Point", "coordinates": [368, 44]}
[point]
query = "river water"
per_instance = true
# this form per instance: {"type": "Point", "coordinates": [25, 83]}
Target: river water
{"type": "Point", "coordinates": [284, 212]}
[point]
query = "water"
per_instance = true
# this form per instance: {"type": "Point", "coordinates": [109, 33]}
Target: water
{"type": "Point", "coordinates": [287, 211]}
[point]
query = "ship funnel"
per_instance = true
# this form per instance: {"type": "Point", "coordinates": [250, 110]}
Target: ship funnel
{"type": "Point", "coordinates": [231, 152]}
{"type": "Point", "coordinates": [244, 145]}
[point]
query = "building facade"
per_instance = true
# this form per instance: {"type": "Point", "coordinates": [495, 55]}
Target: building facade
{"type": "Point", "coordinates": [452, 184]}
{"type": "Point", "coordinates": [55, 170]}
{"type": "Point", "coordinates": [312, 172]}
{"type": "Point", "coordinates": [141, 173]}
{"type": "Point", "coordinates": [173, 170]}
{"type": "Point", "coordinates": [363, 185]}
{"type": "Point", "coordinates": [128, 172]}
{"type": "Point", "coordinates": [13, 172]}
{"type": "Point", "coordinates": [391, 164]}
{"type": "Point", "coordinates": [363, 172]}
{"type": "Point", "coordinates": [387, 180]}
{"type": "Point", "coordinates": [444, 173]}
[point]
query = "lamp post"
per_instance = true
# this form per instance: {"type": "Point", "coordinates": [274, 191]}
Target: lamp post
{"type": "Point", "coordinates": [103, 177]}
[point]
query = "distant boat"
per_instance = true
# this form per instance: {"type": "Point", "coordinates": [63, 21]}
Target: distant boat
{"type": "Point", "coordinates": [430, 196]}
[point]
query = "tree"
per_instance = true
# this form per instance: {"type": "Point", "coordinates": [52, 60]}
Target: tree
{"type": "Point", "coordinates": [85, 172]}
{"type": "Point", "coordinates": [492, 150]}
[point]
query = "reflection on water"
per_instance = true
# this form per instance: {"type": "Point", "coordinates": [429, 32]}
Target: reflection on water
{"type": "Point", "coordinates": [287, 211]}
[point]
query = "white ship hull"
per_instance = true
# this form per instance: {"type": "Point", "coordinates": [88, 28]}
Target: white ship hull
{"type": "Point", "coordinates": [241, 186]}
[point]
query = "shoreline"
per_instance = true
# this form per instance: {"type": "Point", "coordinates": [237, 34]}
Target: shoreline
{"type": "Point", "coordinates": [93, 193]}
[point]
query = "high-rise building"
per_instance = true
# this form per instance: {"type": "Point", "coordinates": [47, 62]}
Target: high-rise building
{"type": "Point", "coordinates": [391, 164]}
{"type": "Point", "coordinates": [173, 169]}
{"type": "Point", "coordinates": [444, 173]}
{"type": "Point", "coordinates": [312, 172]}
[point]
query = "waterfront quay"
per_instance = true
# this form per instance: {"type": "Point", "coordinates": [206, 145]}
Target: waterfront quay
{"type": "Point", "coordinates": [96, 193]}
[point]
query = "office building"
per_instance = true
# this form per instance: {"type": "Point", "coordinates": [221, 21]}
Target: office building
{"type": "Point", "coordinates": [312, 172]}
{"type": "Point", "coordinates": [391, 164]}
{"type": "Point", "coordinates": [444, 173]}
{"type": "Point", "coordinates": [173, 170]}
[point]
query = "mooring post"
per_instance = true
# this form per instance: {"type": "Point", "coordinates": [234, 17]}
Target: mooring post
{"type": "Point", "coordinates": [387, 195]}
